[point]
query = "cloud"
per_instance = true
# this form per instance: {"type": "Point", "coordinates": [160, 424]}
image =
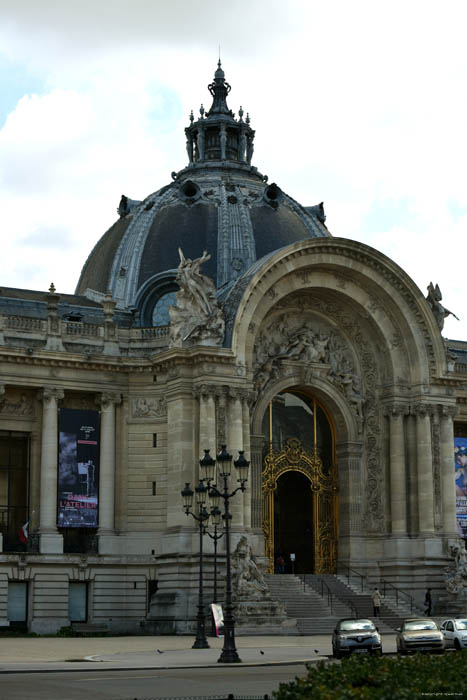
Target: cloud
{"type": "Point", "coordinates": [360, 104]}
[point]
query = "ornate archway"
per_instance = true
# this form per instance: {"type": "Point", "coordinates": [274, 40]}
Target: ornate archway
{"type": "Point", "coordinates": [324, 487]}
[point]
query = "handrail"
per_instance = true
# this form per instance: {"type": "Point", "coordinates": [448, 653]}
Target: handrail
{"type": "Point", "coordinates": [353, 608]}
{"type": "Point", "coordinates": [399, 591]}
{"type": "Point", "coordinates": [323, 586]}
{"type": "Point", "coordinates": [349, 570]}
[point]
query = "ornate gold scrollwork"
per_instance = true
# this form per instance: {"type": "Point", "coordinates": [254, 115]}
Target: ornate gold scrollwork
{"type": "Point", "coordinates": [324, 487]}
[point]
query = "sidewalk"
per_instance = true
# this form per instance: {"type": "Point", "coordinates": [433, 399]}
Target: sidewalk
{"type": "Point", "coordinates": [42, 654]}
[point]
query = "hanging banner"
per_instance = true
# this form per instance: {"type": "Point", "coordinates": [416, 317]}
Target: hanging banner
{"type": "Point", "coordinates": [78, 468]}
{"type": "Point", "coordinates": [460, 459]}
{"type": "Point", "coordinates": [218, 616]}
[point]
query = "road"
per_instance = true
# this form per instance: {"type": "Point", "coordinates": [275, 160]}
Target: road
{"type": "Point", "coordinates": [129, 685]}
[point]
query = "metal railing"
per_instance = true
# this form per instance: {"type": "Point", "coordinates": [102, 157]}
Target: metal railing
{"type": "Point", "coordinates": [322, 588]}
{"type": "Point", "coordinates": [352, 573]}
{"type": "Point", "coordinates": [397, 593]}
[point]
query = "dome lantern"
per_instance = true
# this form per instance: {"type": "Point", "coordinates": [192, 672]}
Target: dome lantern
{"type": "Point", "coordinates": [217, 135]}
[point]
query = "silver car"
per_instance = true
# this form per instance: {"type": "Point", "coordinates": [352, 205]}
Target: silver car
{"type": "Point", "coordinates": [353, 636]}
{"type": "Point", "coordinates": [419, 634]}
{"type": "Point", "coordinates": [455, 632]}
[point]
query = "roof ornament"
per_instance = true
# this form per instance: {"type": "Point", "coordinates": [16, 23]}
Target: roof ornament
{"type": "Point", "coordinates": [439, 311]}
{"type": "Point", "coordinates": [217, 135]}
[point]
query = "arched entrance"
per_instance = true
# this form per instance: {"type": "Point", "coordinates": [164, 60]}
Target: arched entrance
{"type": "Point", "coordinates": [299, 484]}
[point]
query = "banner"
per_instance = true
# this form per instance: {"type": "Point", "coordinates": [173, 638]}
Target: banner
{"type": "Point", "coordinates": [218, 616]}
{"type": "Point", "coordinates": [460, 459]}
{"type": "Point", "coordinates": [78, 468]}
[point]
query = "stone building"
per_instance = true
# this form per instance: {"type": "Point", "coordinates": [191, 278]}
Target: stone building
{"type": "Point", "coordinates": [315, 354]}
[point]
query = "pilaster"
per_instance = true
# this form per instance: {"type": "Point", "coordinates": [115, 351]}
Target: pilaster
{"type": "Point", "coordinates": [106, 531]}
{"type": "Point", "coordinates": [424, 469]}
{"type": "Point", "coordinates": [50, 541]}
{"type": "Point", "coordinates": [448, 488]}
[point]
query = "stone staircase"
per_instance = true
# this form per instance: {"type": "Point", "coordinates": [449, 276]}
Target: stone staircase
{"type": "Point", "coordinates": [306, 599]}
{"type": "Point", "coordinates": [306, 605]}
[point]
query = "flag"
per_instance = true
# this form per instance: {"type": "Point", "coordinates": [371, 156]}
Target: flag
{"type": "Point", "coordinates": [23, 533]}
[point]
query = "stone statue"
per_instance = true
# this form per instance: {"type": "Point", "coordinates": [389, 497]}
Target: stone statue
{"type": "Point", "coordinates": [456, 575]}
{"type": "Point", "coordinates": [434, 300]}
{"type": "Point", "coordinates": [197, 318]}
{"type": "Point", "coordinates": [247, 580]}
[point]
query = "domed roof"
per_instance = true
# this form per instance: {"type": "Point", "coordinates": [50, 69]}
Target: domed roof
{"type": "Point", "coordinates": [219, 203]}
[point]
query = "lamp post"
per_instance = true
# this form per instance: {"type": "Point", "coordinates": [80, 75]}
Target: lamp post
{"type": "Point", "coordinates": [215, 519]}
{"type": "Point", "coordinates": [224, 464]}
{"type": "Point", "coordinates": [187, 494]}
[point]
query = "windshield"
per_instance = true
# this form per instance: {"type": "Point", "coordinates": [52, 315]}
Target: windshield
{"type": "Point", "coordinates": [461, 624]}
{"type": "Point", "coordinates": [419, 625]}
{"type": "Point", "coordinates": [352, 625]}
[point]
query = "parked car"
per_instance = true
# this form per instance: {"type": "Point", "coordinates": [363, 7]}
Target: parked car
{"type": "Point", "coordinates": [455, 632]}
{"type": "Point", "coordinates": [353, 636]}
{"type": "Point", "coordinates": [419, 634]}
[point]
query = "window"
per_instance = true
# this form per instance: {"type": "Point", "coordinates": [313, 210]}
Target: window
{"type": "Point", "coordinates": [78, 602]}
{"type": "Point", "coordinates": [160, 313]}
{"type": "Point", "coordinates": [17, 603]}
{"type": "Point", "coordinates": [14, 488]}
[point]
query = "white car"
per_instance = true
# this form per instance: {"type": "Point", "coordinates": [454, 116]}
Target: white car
{"type": "Point", "coordinates": [455, 632]}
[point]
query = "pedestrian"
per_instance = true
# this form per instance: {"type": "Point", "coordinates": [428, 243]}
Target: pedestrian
{"type": "Point", "coordinates": [376, 598]}
{"type": "Point", "coordinates": [280, 564]}
{"type": "Point", "coordinates": [428, 602]}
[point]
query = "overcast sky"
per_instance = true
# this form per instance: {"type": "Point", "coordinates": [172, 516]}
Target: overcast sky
{"type": "Point", "coordinates": [362, 105]}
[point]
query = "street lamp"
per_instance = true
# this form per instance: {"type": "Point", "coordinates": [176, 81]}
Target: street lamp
{"type": "Point", "coordinates": [215, 521]}
{"type": "Point", "coordinates": [187, 496]}
{"type": "Point", "coordinates": [224, 465]}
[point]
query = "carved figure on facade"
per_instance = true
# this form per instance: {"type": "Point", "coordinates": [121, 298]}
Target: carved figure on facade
{"type": "Point", "coordinates": [197, 318]}
{"type": "Point", "coordinates": [247, 579]}
{"type": "Point", "coordinates": [23, 407]}
{"type": "Point", "coordinates": [289, 338]}
{"type": "Point", "coordinates": [456, 575]}
{"type": "Point", "coordinates": [149, 408]}
{"type": "Point", "coordinates": [440, 312]}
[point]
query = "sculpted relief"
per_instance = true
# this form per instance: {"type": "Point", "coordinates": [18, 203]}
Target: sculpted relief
{"type": "Point", "coordinates": [295, 337]}
{"type": "Point", "coordinates": [197, 318]}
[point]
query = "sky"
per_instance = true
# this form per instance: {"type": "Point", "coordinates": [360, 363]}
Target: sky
{"type": "Point", "coordinates": [362, 105]}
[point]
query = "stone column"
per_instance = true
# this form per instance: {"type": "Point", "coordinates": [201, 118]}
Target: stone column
{"type": "Point", "coordinates": [448, 487]}
{"type": "Point", "coordinates": [424, 470]}
{"type": "Point", "coordinates": [207, 420]}
{"type": "Point", "coordinates": [51, 542]}
{"type": "Point", "coordinates": [106, 531]}
{"type": "Point", "coordinates": [235, 443]}
{"type": "Point", "coordinates": [256, 468]}
{"type": "Point", "coordinates": [397, 470]}
{"type": "Point", "coordinates": [247, 449]}
{"type": "Point", "coordinates": [350, 501]}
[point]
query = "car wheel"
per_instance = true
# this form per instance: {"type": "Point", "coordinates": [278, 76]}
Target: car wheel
{"type": "Point", "coordinates": [337, 654]}
{"type": "Point", "coordinates": [457, 645]}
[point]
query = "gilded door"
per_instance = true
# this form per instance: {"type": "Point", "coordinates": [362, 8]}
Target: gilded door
{"type": "Point", "coordinates": [323, 484]}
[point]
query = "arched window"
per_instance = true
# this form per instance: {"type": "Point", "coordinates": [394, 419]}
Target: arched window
{"type": "Point", "coordinates": [160, 313]}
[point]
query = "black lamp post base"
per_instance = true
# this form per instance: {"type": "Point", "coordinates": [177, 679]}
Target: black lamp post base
{"type": "Point", "coordinates": [229, 656]}
{"type": "Point", "coordinates": [200, 644]}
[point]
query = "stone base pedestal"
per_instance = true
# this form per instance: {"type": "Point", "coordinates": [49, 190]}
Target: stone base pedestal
{"type": "Point", "coordinates": [452, 604]}
{"type": "Point", "coordinates": [262, 617]}
{"type": "Point", "coordinates": [51, 543]}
